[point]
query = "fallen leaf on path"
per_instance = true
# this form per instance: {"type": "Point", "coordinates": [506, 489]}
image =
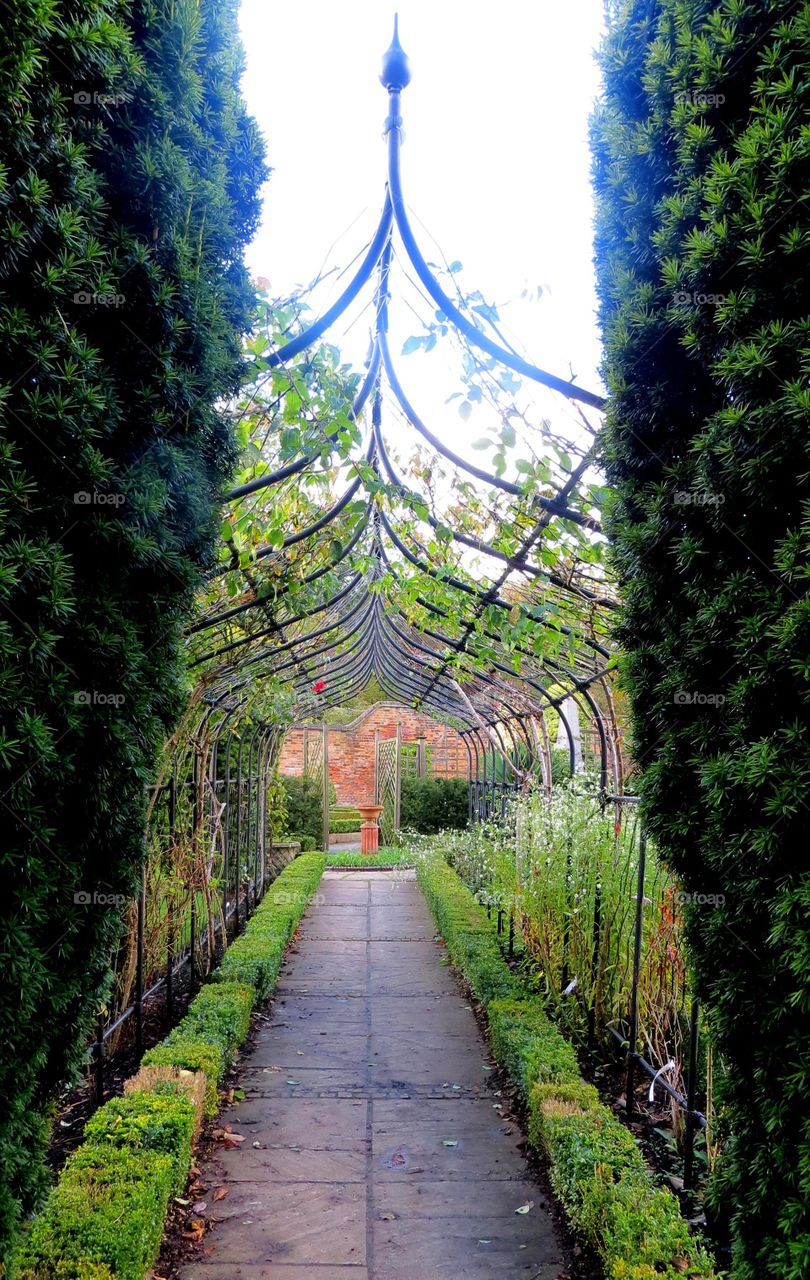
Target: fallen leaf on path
{"type": "Point", "coordinates": [200, 1206]}
{"type": "Point", "coordinates": [220, 1193]}
{"type": "Point", "coordinates": [196, 1230]}
{"type": "Point", "coordinates": [447, 1142]}
{"type": "Point", "coordinates": [524, 1208]}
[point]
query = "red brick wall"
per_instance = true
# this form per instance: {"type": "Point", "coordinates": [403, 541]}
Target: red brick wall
{"type": "Point", "coordinates": [351, 748]}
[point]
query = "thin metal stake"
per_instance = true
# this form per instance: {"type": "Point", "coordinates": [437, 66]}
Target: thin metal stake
{"type": "Point", "coordinates": [99, 1060]}
{"type": "Point", "coordinates": [170, 910]}
{"type": "Point", "coordinates": [633, 1036]}
{"type": "Point", "coordinates": [139, 967]}
{"type": "Point", "coordinates": [596, 944]}
{"type": "Point", "coordinates": [691, 1088]}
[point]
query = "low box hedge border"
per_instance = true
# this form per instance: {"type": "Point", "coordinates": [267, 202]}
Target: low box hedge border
{"type": "Point", "coordinates": [595, 1166]}
{"type": "Point", "coordinates": [105, 1217]}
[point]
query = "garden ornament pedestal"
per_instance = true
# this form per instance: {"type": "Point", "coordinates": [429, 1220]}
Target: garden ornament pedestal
{"type": "Point", "coordinates": [369, 829]}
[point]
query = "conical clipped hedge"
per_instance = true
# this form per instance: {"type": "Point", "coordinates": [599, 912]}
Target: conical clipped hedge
{"type": "Point", "coordinates": [703, 257]}
{"type": "Point", "coordinates": [128, 189]}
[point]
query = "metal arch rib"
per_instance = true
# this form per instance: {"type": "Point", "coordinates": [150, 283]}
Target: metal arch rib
{"type": "Point", "coordinates": [446, 303]}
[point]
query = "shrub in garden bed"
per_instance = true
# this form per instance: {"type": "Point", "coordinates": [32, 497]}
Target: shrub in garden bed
{"type": "Point", "coordinates": [528, 1045]}
{"type": "Point", "coordinates": [187, 1052]}
{"type": "Point", "coordinates": [220, 1015]}
{"type": "Point", "coordinates": [595, 1165]}
{"type": "Point", "coordinates": [105, 1216]}
{"type": "Point", "coordinates": [600, 1176]}
{"type": "Point", "coordinates": [430, 804]}
{"type": "Point", "coordinates": [161, 1119]}
{"type": "Point", "coordinates": [304, 805]}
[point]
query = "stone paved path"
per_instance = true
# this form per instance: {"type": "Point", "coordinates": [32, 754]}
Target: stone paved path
{"type": "Point", "coordinates": [373, 1149]}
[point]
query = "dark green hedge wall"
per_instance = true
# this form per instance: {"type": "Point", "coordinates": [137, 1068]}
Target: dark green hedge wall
{"type": "Point", "coordinates": [128, 189]}
{"type": "Point", "coordinates": [703, 256]}
{"type": "Point", "coordinates": [304, 798]}
{"type": "Point", "coordinates": [428, 805]}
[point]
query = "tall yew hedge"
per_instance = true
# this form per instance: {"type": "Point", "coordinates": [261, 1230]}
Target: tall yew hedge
{"type": "Point", "coordinates": [129, 174]}
{"type": "Point", "coordinates": [701, 149]}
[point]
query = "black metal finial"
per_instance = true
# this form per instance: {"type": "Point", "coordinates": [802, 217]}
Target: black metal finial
{"type": "Point", "coordinates": [396, 69]}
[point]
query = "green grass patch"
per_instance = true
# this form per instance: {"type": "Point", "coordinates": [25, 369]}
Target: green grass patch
{"type": "Point", "coordinates": [353, 858]}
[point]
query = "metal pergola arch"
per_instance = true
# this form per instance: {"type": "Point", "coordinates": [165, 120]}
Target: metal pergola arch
{"type": "Point", "coordinates": [457, 669]}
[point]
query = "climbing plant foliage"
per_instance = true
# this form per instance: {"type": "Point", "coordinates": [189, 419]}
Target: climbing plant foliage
{"type": "Point", "coordinates": [127, 192]}
{"type": "Point", "coordinates": [703, 256]}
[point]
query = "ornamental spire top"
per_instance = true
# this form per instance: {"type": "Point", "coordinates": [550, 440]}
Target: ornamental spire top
{"type": "Point", "coordinates": [396, 69]}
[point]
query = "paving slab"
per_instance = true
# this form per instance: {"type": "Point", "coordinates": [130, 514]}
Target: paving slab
{"type": "Point", "coordinates": [373, 1144]}
{"type": "Point", "coordinates": [258, 1271]}
{"type": "Point", "coordinates": [452, 1139]}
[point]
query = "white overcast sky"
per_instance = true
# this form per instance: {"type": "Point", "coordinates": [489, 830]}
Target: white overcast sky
{"type": "Point", "coordinates": [496, 164]}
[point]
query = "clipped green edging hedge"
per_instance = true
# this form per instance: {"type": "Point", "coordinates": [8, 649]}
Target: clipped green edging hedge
{"type": "Point", "coordinates": [595, 1165]}
{"type": "Point", "coordinates": [105, 1216]}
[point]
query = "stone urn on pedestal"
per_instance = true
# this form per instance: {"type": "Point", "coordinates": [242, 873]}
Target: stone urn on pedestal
{"type": "Point", "coordinates": [369, 829]}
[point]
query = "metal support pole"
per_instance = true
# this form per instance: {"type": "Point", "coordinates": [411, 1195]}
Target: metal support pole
{"type": "Point", "coordinates": [139, 966]}
{"type": "Point", "coordinates": [170, 910]}
{"type": "Point", "coordinates": [398, 780]}
{"type": "Point", "coordinates": [193, 914]}
{"type": "Point", "coordinates": [238, 830]}
{"type": "Point", "coordinates": [99, 1060]}
{"type": "Point", "coordinates": [596, 938]}
{"type": "Point", "coordinates": [566, 940]}
{"type": "Point", "coordinates": [226, 837]}
{"type": "Point", "coordinates": [325, 767]}
{"type": "Point", "coordinates": [633, 1033]}
{"type": "Point", "coordinates": [691, 1089]}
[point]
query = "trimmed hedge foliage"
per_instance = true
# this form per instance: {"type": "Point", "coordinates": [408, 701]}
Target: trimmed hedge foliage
{"type": "Point", "coordinates": [339, 827]}
{"type": "Point", "coordinates": [528, 1045]}
{"type": "Point", "coordinates": [130, 179]}
{"type": "Point", "coordinates": [256, 956]}
{"type": "Point", "coordinates": [471, 942]}
{"type": "Point", "coordinates": [104, 1219]}
{"type": "Point", "coordinates": [432, 804]}
{"type": "Point", "coordinates": [703, 263]}
{"type": "Point", "coordinates": [595, 1166]}
{"type": "Point", "coordinates": [304, 803]}
{"type": "Point", "coordinates": [181, 1049]}
{"type": "Point", "coordinates": [155, 1120]}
